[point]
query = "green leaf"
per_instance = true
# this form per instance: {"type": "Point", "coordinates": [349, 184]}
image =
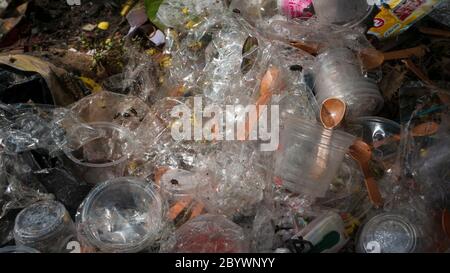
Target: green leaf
{"type": "Point", "coordinates": [152, 7]}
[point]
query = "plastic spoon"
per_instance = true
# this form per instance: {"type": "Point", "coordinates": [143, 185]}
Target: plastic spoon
{"type": "Point", "coordinates": [362, 153]}
{"type": "Point", "coordinates": [332, 112]}
{"type": "Point", "coordinates": [421, 130]}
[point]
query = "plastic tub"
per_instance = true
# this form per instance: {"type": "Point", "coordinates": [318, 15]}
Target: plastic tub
{"type": "Point", "coordinates": [103, 158]}
{"type": "Point", "coordinates": [45, 226]}
{"type": "Point", "coordinates": [120, 215]}
{"type": "Point", "coordinates": [309, 156]}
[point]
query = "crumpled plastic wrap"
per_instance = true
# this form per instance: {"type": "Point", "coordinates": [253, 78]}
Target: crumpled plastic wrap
{"type": "Point", "coordinates": [208, 233]}
{"type": "Point", "coordinates": [237, 179]}
{"type": "Point", "coordinates": [180, 14]}
{"type": "Point", "coordinates": [18, 186]}
{"type": "Point", "coordinates": [140, 77]}
{"type": "Point", "coordinates": [30, 127]}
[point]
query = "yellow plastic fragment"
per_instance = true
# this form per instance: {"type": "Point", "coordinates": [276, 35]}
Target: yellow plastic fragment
{"type": "Point", "coordinates": [103, 25]}
{"type": "Point", "coordinates": [91, 84]}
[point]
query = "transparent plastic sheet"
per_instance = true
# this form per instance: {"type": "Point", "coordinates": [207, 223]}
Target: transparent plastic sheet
{"type": "Point", "coordinates": [311, 34]}
{"type": "Point", "coordinates": [178, 14]}
{"type": "Point", "coordinates": [140, 77]}
{"type": "Point", "coordinates": [159, 151]}
{"type": "Point", "coordinates": [237, 181]}
{"type": "Point", "coordinates": [414, 192]}
{"type": "Point", "coordinates": [19, 187]}
{"type": "Point", "coordinates": [208, 233]}
{"type": "Point", "coordinates": [31, 127]}
{"type": "Point", "coordinates": [424, 113]}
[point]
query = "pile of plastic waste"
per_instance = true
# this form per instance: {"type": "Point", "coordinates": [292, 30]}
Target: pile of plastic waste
{"type": "Point", "coordinates": [253, 129]}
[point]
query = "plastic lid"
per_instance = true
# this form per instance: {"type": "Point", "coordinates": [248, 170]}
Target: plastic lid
{"type": "Point", "coordinates": [388, 233]}
{"type": "Point", "coordinates": [39, 221]}
{"type": "Point", "coordinates": [122, 215]}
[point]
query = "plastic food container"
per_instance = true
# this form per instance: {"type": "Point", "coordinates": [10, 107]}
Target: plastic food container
{"type": "Point", "coordinates": [45, 226]}
{"type": "Point", "coordinates": [388, 233]}
{"type": "Point", "coordinates": [338, 74]}
{"type": "Point", "coordinates": [209, 234]}
{"type": "Point", "coordinates": [120, 215]}
{"type": "Point", "coordinates": [103, 158]}
{"type": "Point", "coordinates": [309, 156]}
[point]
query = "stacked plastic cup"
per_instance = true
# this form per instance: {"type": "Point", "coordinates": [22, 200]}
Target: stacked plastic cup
{"type": "Point", "coordinates": [338, 74]}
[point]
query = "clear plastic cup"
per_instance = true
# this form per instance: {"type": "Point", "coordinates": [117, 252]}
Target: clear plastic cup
{"type": "Point", "coordinates": [120, 215]}
{"type": "Point", "coordinates": [338, 74]}
{"type": "Point", "coordinates": [45, 226]}
{"type": "Point", "coordinates": [309, 156]}
{"type": "Point", "coordinates": [103, 158]}
{"type": "Point", "coordinates": [388, 233]}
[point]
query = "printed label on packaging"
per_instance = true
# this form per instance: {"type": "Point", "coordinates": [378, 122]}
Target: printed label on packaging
{"type": "Point", "coordinates": [296, 8]}
{"type": "Point", "coordinates": [400, 15]}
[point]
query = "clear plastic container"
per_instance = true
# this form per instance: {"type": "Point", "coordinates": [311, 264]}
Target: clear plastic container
{"type": "Point", "coordinates": [120, 215]}
{"type": "Point", "coordinates": [389, 233]}
{"type": "Point", "coordinates": [45, 226]}
{"type": "Point", "coordinates": [17, 249]}
{"type": "Point", "coordinates": [208, 234]}
{"type": "Point", "coordinates": [103, 158]}
{"type": "Point", "coordinates": [309, 156]}
{"type": "Point", "coordinates": [338, 74]}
